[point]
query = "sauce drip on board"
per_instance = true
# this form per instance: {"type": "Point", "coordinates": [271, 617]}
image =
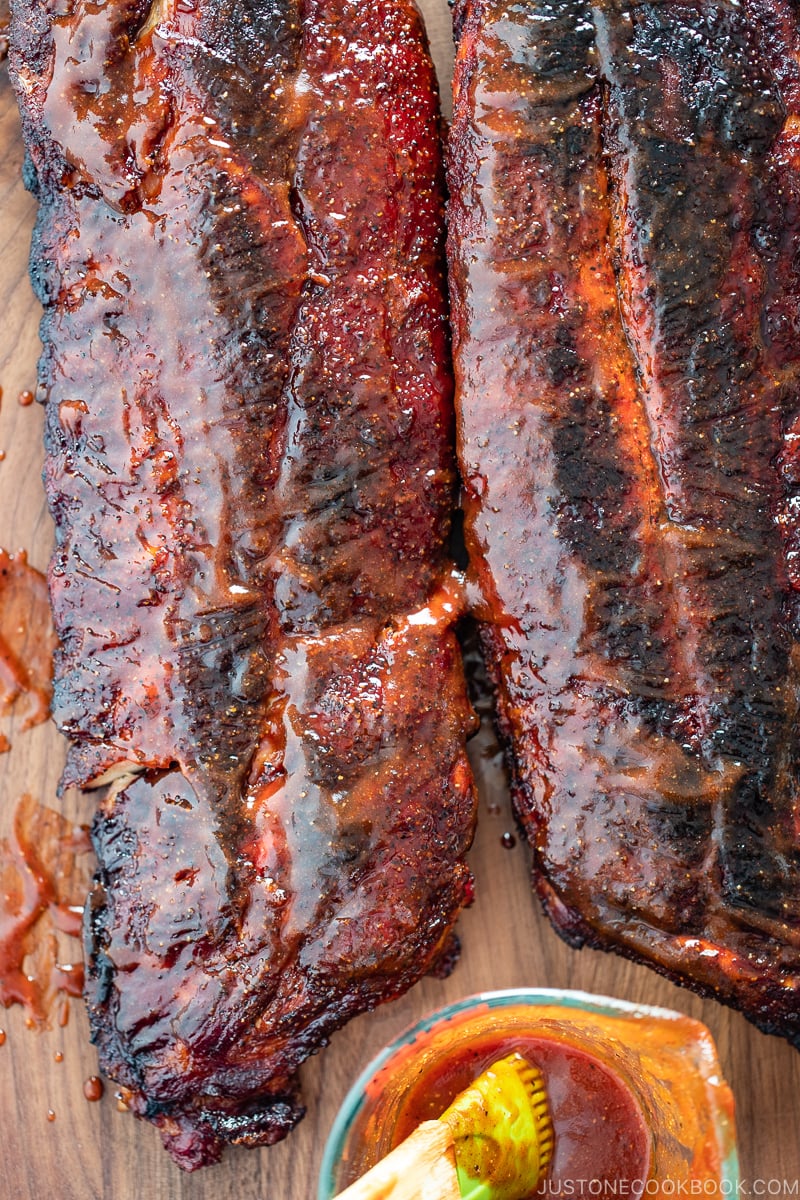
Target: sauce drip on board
{"type": "Point", "coordinates": [42, 885]}
{"type": "Point", "coordinates": [93, 1089]}
{"type": "Point", "coordinates": [27, 643]}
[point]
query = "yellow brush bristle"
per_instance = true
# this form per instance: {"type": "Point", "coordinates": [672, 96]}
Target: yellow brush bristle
{"type": "Point", "coordinates": [502, 1131]}
{"type": "Point", "coordinates": [535, 1086]}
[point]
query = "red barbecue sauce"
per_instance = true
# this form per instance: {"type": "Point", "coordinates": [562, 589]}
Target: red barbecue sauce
{"type": "Point", "coordinates": [27, 642]}
{"type": "Point", "coordinates": [42, 887]}
{"type": "Point", "coordinates": [600, 1133]}
{"type": "Point", "coordinates": [93, 1089]}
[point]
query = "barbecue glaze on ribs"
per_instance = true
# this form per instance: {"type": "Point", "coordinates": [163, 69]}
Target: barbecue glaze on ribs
{"type": "Point", "coordinates": [249, 463]}
{"type": "Point", "coordinates": [625, 288]}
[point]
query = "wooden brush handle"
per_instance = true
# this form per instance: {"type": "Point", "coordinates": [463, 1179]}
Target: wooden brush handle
{"type": "Point", "coordinates": [423, 1167]}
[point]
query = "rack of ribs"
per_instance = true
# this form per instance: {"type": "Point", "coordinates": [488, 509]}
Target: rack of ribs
{"type": "Point", "coordinates": [625, 184]}
{"type": "Point", "coordinates": [239, 252]}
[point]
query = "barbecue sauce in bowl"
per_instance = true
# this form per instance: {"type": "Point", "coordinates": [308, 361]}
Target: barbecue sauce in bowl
{"type": "Point", "coordinates": [636, 1095]}
{"type": "Point", "coordinates": [600, 1130]}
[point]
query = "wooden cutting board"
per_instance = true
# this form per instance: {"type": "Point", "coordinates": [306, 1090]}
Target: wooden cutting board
{"type": "Point", "coordinates": [91, 1150]}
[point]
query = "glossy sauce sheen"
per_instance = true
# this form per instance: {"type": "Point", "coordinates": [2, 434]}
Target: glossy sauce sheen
{"type": "Point", "coordinates": [42, 851]}
{"type": "Point", "coordinates": [27, 643]}
{"type": "Point", "coordinates": [249, 464]}
{"type": "Point", "coordinates": [624, 289]}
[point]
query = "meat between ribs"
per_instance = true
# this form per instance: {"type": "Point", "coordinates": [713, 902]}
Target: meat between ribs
{"type": "Point", "coordinates": [625, 184]}
{"type": "Point", "coordinates": [249, 463]}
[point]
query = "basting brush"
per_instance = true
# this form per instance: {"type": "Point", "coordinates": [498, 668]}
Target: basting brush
{"type": "Point", "coordinates": [494, 1142]}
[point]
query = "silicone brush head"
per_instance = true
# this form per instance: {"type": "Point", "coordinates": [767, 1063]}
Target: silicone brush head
{"type": "Point", "coordinates": [502, 1131]}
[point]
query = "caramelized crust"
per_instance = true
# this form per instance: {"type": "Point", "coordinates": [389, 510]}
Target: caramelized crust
{"type": "Point", "coordinates": [249, 465]}
{"type": "Point", "coordinates": [623, 241]}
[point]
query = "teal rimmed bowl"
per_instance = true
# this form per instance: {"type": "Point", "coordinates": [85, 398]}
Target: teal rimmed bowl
{"type": "Point", "coordinates": [665, 1058]}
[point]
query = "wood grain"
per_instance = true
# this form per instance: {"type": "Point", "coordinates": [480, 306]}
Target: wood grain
{"type": "Point", "coordinates": [91, 1151]}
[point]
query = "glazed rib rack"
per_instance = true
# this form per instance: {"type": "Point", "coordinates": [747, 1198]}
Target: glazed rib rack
{"type": "Point", "coordinates": [250, 467]}
{"type": "Point", "coordinates": [624, 284]}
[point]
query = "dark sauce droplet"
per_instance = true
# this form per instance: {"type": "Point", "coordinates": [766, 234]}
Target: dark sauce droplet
{"type": "Point", "coordinates": [25, 398]}
{"type": "Point", "coordinates": [93, 1088]}
{"type": "Point", "coordinates": [51, 1116]}
{"type": "Point", "coordinates": [509, 841]}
